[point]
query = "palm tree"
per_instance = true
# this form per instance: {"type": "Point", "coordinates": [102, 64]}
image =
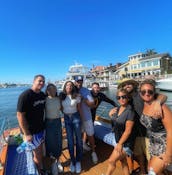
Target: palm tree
{"type": "Point", "coordinates": [150, 52]}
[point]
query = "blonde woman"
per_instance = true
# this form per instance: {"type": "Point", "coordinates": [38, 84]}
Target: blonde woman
{"type": "Point", "coordinates": [123, 121]}
{"type": "Point", "coordinates": [159, 130]}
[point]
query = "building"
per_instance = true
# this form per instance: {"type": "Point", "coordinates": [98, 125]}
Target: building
{"type": "Point", "coordinates": [141, 65]}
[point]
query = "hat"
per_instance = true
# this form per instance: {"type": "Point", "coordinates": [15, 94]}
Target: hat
{"type": "Point", "coordinates": [78, 78]}
{"type": "Point", "coordinates": [130, 81]}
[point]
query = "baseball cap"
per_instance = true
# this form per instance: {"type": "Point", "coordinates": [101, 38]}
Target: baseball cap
{"type": "Point", "coordinates": [78, 78]}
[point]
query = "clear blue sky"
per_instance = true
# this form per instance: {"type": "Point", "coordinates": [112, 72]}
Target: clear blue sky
{"type": "Point", "coordinates": [38, 36]}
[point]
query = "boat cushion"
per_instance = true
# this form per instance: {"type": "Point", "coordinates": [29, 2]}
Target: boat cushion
{"type": "Point", "coordinates": [104, 133]}
{"type": "Point", "coordinates": [20, 164]}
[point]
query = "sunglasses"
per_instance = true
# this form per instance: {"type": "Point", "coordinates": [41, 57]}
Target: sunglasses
{"type": "Point", "coordinates": [121, 97]}
{"type": "Point", "coordinates": [41, 81]}
{"type": "Point", "coordinates": [149, 92]}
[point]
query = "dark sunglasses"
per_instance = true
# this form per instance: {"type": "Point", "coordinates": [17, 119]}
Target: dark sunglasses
{"type": "Point", "coordinates": [121, 97]}
{"type": "Point", "coordinates": [41, 81]}
{"type": "Point", "coordinates": [149, 92]}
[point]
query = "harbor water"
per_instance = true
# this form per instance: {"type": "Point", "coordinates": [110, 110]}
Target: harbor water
{"type": "Point", "coordinates": [9, 97]}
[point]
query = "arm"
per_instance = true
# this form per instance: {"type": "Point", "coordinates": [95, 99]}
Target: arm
{"type": "Point", "coordinates": [167, 121]}
{"type": "Point", "coordinates": [79, 110]}
{"type": "Point", "coordinates": [88, 99]}
{"type": "Point", "coordinates": [112, 112]}
{"type": "Point", "coordinates": [156, 105]}
{"type": "Point", "coordinates": [89, 103]}
{"type": "Point", "coordinates": [24, 126]}
{"type": "Point", "coordinates": [128, 128]}
{"type": "Point", "coordinates": [108, 100]}
{"type": "Point", "coordinates": [161, 98]}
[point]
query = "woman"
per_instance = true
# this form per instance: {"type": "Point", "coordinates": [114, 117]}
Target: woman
{"type": "Point", "coordinates": [123, 121]}
{"type": "Point", "coordinates": [71, 109]}
{"type": "Point", "coordinates": [53, 138]}
{"type": "Point", "coordinates": [159, 130]}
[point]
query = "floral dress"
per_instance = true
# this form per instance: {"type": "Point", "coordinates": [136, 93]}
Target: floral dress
{"type": "Point", "coordinates": [156, 134]}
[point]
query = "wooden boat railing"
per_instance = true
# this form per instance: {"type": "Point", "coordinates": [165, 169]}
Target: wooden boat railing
{"type": "Point", "coordinates": [3, 127]}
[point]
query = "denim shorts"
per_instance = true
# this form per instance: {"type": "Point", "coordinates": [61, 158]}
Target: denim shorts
{"type": "Point", "coordinates": [128, 151]}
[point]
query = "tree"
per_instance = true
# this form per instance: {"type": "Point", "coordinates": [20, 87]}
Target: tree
{"type": "Point", "coordinates": [150, 52]}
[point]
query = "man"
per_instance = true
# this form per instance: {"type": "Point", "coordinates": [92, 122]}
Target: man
{"type": "Point", "coordinates": [86, 103]}
{"type": "Point", "coordinates": [141, 143]}
{"type": "Point", "coordinates": [30, 115]}
{"type": "Point", "coordinates": [98, 98]}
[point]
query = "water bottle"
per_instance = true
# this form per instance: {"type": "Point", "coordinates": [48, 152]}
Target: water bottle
{"type": "Point", "coordinates": [23, 147]}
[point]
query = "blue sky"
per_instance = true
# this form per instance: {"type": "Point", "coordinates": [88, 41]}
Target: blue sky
{"type": "Point", "coordinates": [38, 36]}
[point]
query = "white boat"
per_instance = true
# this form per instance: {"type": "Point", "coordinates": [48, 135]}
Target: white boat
{"type": "Point", "coordinates": [113, 84]}
{"type": "Point", "coordinates": [81, 70]}
{"type": "Point", "coordinates": [78, 70]}
{"type": "Point", "coordinates": [165, 84]}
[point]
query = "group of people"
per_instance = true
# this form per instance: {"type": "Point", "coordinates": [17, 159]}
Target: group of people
{"type": "Point", "coordinates": [39, 117]}
{"type": "Point", "coordinates": [141, 124]}
{"type": "Point", "coordinates": [142, 127]}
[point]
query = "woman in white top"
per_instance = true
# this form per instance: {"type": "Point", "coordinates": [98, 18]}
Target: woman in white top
{"type": "Point", "coordinates": [53, 126]}
{"type": "Point", "coordinates": [71, 109]}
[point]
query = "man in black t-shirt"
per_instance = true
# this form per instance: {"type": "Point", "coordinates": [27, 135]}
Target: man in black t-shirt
{"type": "Point", "coordinates": [98, 98]}
{"type": "Point", "coordinates": [30, 115]}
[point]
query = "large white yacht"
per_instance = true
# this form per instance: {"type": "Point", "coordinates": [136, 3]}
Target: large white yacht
{"type": "Point", "coordinates": [165, 84]}
{"type": "Point", "coordinates": [76, 70]}
{"type": "Point", "coordinates": [80, 70]}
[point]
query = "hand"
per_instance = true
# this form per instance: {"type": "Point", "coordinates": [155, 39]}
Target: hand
{"type": "Point", "coordinates": [156, 109]}
{"type": "Point", "coordinates": [112, 111]}
{"type": "Point", "coordinates": [118, 148]}
{"type": "Point", "coordinates": [27, 138]}
{"type": "Point", "coordinates": [166, 159]}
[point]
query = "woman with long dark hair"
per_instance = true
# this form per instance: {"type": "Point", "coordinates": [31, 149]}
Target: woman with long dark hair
{"type": "Point", "coordinates": [70, 101]}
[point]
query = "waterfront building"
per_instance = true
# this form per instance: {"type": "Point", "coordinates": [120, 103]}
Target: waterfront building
{"type": "Point", "coordinates": [142, 65]}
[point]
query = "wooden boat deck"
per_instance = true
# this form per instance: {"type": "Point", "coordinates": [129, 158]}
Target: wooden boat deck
{"type": "Point", "coordinates": [88, 168]}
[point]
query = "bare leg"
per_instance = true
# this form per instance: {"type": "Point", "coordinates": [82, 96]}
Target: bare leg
{"type": "Point", "coordinates": [84, 137]}
{"type": "Point", "coordinates": [124, 165]}
{"type": "Point", "coordinates": [114, 157]}
{"type": "Point", "coordinates": [157, 165]}
{"type": "Point", "coordinates": [38, 157]}
{"type": "Point", "coordinates": [142, 163]}
{"type": "Point", "coordinates": [92, 142]}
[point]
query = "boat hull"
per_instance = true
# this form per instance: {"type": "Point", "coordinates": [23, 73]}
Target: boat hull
{"type": "Point", "coordinates": [165, 84]}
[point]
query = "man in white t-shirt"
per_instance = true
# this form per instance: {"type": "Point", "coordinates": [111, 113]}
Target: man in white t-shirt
{"type": "Point", "coordinates": [86, 104]}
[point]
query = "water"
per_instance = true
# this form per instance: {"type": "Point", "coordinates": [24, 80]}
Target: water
{"type": "Point", "coordinates": [9, 97]}
{"type": "Point", "coordinates": [8, 103]}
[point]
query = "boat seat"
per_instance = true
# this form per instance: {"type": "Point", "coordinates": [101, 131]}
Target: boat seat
{"type": "Point", "coordinates": [19, 164]}
{"type": "Point", "coordinates": [104, 133]}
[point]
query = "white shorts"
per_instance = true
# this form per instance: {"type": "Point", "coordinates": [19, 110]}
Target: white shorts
{"type": "Point", "coordinates": [88, 127]}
